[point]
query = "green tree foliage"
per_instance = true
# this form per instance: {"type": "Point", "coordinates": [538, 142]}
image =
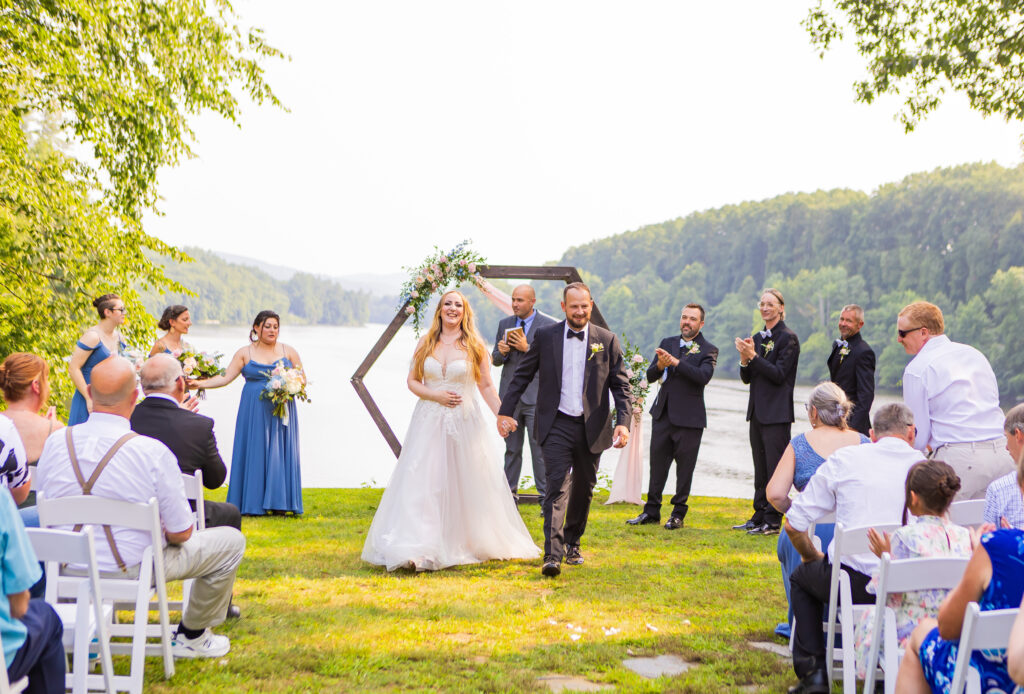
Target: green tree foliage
{"type": "Point", "coordinates": [952, 236]}
{"type": "Point", "coordinates": [919, 48]}
{"type": "Point", "coordinates": [224, 292]}
{"type": "Point", "coordinates": [95, 97]}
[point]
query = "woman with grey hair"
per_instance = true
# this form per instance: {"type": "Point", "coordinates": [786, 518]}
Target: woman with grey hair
{"type": "Point", "coordinates": [828, 409]}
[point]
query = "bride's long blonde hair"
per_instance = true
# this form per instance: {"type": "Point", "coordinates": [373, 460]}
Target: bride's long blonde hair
{"type": "Point", "coordinates": [470, 339]}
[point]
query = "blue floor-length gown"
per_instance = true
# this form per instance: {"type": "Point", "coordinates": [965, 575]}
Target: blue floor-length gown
{"type": "Point", "coordinates": [79, 409]}
{"type": "Point", "coordinates": [265, 460]}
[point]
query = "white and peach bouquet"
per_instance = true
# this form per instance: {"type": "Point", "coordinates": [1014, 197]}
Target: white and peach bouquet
{"type": "Point", "coordinates": [284, 384]}
{"type": "Point", "coordinates": [199, 365]}
{"type": "Point", "coordinates": [135, 355]}
{"type": "Point", "coordinates": [636, 371]}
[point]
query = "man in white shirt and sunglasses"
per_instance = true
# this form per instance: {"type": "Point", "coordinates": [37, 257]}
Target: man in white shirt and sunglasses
{"type": "Point", "coordinates": [952, 391]}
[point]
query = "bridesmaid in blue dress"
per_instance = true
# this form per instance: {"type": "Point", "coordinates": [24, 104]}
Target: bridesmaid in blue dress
{"type": "Point", "coordinates": [265, 460]}
{"type": "Point", "coordinates": [97, 343]}
{"type": "Point", "coordinates": [828, 409]}
{"type": "Point", "coordinates": [176, 320]}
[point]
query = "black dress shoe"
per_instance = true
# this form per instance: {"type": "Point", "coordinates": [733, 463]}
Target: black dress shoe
{"type": "Point", "coordinates": [552, 567]}
{"type": "Point", "coordinates": [643, 519]}
{"type": "Point", "coordinates": [234, 612]}
{"type": "Point", "coordinates": [814, 683]}
{"type": "Point", "coordinates": [573, 556]}
{"type": "Point", "coordinates": [674, 523]}
{"type": "Point", "coordinates": [749, 525]}
{"type": "Point", "coordinates": [764, 529]}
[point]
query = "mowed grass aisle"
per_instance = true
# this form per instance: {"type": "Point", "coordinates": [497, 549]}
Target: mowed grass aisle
{"type": "Point", "coordinates": [315, 618]}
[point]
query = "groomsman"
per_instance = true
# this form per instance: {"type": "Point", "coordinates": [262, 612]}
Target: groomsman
{"type": "Point", "coordinates": [768, 363]}
{"type": "Point", "coordinates": [581, 370]}
{"type": "Point", "coordinates": [851, 366]}
{"type": "Point", "coordinates": [507, 354]}
{"type": "Point", "coordinates": [953, 393]}
{"type": "Point", "coordinates": [684, 364]}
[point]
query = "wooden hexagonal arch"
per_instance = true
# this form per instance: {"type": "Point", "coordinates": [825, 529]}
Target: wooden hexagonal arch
{"type": "Point", "coordinates": [518, 272]}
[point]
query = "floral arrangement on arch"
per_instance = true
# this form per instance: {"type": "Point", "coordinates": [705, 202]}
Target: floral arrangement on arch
{"type": "Point", "coordinates": [439, 271]}
{"type": "Point", "coordinates": [636, 372]}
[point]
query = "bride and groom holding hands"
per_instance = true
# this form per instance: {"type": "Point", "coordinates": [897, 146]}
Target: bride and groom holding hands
{"type": "Point", "coordinates": [448, 501]}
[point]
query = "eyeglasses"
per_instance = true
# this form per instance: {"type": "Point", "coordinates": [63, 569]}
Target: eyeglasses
{"type": "Point", "coordinates": [764, 304]}
{"type": "Point", "coordinates": [904, 333]}
{"type": "Point", "coordinates": [123, 310]}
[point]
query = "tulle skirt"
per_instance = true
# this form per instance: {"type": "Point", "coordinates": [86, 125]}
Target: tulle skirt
{"type": "Point", "coordinates": [448, 501]}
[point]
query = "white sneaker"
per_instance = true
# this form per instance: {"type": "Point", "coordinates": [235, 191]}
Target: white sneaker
{"type": "Point", "coordinates": [206, 645]}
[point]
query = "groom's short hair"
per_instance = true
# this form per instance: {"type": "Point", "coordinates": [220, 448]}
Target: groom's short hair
{"type": "Point", "coordinates": [699, 308]}
{"type": "Point", "coordinates": [575, 285]}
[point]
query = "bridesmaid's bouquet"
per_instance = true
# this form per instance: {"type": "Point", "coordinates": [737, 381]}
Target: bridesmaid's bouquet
{"type": "Point", "coordinates": [199, 365]}
{"type": "Point", "coordinates": [135, 355]}
{"type": "Point", "coordinates": [636, 371]}
{"type": "Point", "coordinates": [284, 384]}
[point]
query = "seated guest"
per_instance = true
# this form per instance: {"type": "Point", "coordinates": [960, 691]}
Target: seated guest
{"type": "Point", "coordinates": [137, 469]}
{"type": "Point", "coordinates": [930, 487]}
{"type": "Point", "coordinates": [994, 580]}
{"type": "Point", "coordinates": [25, 382]}
{"type": "Point", "coordinates": [862, 485]}
{"type": "Point", "coordinates": [13, 470]}
{"type": "Point", "coordinates": [1004, 506]}
{"type": "Point", "coordinates": [189, 435]}
{"type": "Point", "coordinates": [1015, 650]}
{"type": "Point", "coordinates": [828, 409]}
{"type": "Point", "coordinates": [30, 630]}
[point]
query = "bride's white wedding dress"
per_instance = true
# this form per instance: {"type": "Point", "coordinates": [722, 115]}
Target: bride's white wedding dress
{"type": "Point", "coordinates": [448, 501]}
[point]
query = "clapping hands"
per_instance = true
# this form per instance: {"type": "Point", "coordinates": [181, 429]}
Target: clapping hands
{"type": "Point", "coordinates": [745, 346]}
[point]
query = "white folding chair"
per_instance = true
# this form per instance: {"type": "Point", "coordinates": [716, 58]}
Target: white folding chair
{"type": "Point", "coordinates": [194, 492]}
{"type": "Point", "coordinates": [901, 576]}
{"type": "Point", "coordinates": [848, 541]}
{"type": "Point", "coordinates": [970, 513]}
{"type": "Point", "coordinates": [126, 592]}
{"type": "Point", "coordinates": [816, 541]}
{"type": "Point", "coordinates": [8, 687]}
{"type": "Point", "coordinates": [981, 631]}
{"type": "Point", "coordinates": [81, 624]}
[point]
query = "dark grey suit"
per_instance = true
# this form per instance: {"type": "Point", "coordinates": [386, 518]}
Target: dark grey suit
{"type": "Point", "coordinates": [525, 410]}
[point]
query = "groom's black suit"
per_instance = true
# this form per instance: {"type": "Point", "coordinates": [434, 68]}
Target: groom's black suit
{"type": "Point", "coordinates": [571, 443]}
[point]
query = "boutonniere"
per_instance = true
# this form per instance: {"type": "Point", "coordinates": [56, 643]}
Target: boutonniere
{"type": "Point", "coordinates": [768, 346]}
{"type": "Point", "coordinates": [595, 347]}
{"type": "Point", "coordinates": [694, 349]}
{"type": "Point", "coordinates": [843, 352]}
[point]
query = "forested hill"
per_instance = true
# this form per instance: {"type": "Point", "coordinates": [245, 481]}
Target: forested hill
{"type": "Point", "coordinates": [954, 237]}
{"type": "Point", "coordinates": [233, 293]}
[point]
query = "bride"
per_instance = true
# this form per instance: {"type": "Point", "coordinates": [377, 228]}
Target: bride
{"type": "Point", "coordinates": [448, 501]}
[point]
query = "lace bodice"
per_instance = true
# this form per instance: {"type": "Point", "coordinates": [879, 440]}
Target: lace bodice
{"type": "Point", "coordinates": [454, 378]}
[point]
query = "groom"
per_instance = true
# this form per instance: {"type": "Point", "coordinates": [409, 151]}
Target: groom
{"type": "Point", "coordinates": [579, 363]}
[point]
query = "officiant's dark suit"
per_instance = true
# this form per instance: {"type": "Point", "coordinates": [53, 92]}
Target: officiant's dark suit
{"type": "Point", "coordinates": [524, 414]}
{"type": "Point", "coordinates": [573, 426]}
{"type": "Point", "coordinates": [771, 374]}
{"type": "Point", "coordinates": [854, 372]}
{"type": "Point", "coordinates": [678, 420]}
{"type": "Point", "coordinates": [191, 440]}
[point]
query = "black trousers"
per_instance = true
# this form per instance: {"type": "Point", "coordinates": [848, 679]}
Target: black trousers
{"type": "Point", "coordinates": [572, 473]}
{"type": "Point", "coordinates": [41, 657]}
{"type": "Point", "coordinates": [767, 444]}
{"type": "Point", "coordinates": [809, 584]}
{"type": "Point", "coordinates": [524, 417]}
{"type": "Point", "coordinates": [668, 443]}
{"type": "Point", "coordinates": [221, 513]}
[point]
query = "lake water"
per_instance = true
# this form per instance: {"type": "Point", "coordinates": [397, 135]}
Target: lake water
{"type": "Point", "coordinates": [341, 446]}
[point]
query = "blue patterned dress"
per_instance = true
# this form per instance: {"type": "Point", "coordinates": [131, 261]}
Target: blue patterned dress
{"type": "Point", "coordinates": [79, 409]}
{"type": "Point", "coordinates": [806, 461]}
{"type": "Point", "coordinates": [265, 459]}
{"type": "Point", "coordinates": [938, 657]}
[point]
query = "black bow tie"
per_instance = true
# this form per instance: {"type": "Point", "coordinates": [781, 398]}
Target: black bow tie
{"type": "Point", "coordinates": [572, 333]}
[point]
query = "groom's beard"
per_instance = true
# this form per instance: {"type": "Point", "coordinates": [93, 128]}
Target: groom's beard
{"type": "Point", "coordinates": [576, 325]}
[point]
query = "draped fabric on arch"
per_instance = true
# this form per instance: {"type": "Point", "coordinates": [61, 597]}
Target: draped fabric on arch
{"type": "Point", "coordinates": [629, 473]}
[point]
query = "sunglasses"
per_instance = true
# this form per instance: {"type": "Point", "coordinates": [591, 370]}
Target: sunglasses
{"type": "Point", "coordinates": [904, 333]}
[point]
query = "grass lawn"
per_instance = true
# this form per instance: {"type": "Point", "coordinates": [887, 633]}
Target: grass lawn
{"type": "Point", "coordinates": [315, 618]}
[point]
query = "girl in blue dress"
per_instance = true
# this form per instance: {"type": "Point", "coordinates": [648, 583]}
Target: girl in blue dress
{"type": "Point", "coordinates": [176, 320]}
{"type": "Point", "coordinates": [96, 344]}
{"type": "Point", "coordinates": [265, 460]}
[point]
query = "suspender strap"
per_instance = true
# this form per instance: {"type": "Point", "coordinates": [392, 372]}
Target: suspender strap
{"type": "Point", "coordinates": [87, 485]}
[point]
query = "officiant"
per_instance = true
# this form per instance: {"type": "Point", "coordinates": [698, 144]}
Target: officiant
{"type": "Point", "coordinates": [684, 364]}
{"type": "Point", "coordinates": [515, 333]}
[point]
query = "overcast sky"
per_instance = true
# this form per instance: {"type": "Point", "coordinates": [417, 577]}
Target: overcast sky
{"type": "Point", "coordinates": [534, 126]}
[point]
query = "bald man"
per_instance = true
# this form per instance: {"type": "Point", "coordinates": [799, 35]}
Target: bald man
{"type": "Point", "coordinates": [135, 468]}
{"type": "Point", "coordinates": [509, 348]}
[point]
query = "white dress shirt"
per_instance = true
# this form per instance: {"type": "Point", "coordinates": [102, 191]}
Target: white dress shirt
{"type": "Point", "coordinates": [574, 360]}
{"type": "Point", "coordinates": [143, 468]}
{"type": "Point", "coordinates": [952, 391]}
{"type": "Point", "coordinates": [12, 456]}
{"type": "Point", "coordinates": [863, 485]}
